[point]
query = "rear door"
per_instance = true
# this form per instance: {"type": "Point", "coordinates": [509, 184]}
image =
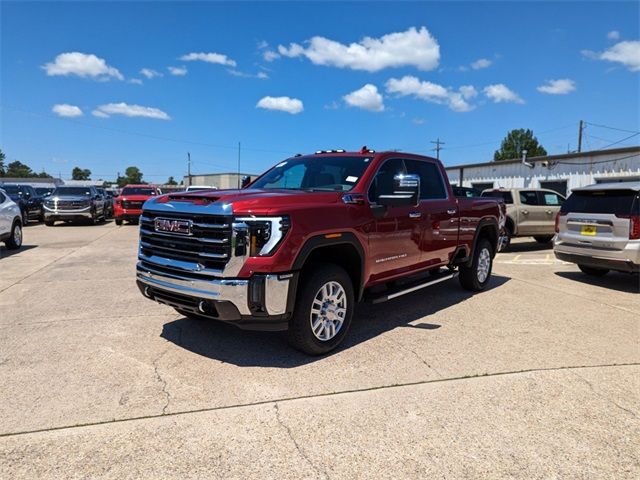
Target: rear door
{"type": "Point", "coordinates": [532, 217]}
{"type": "Point", "coordinates": [438, 213]}
{"type": "Point", "coordinates": [598, 218]}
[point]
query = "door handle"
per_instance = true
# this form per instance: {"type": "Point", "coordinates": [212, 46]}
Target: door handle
{"type": "Point", "coordinates": [525, 212]}
{"type": "Point", "coordinates": [451, 211]}
{"type": "Point", "coordinates": [549, 212]}
{"type": "Point", "coordinates": [415, 214]}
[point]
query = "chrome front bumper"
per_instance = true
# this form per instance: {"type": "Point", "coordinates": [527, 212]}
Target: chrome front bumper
{"type": "Point", "coordinates": [264, 293]}
{"type": "Point", "coordinates": [80, 212]}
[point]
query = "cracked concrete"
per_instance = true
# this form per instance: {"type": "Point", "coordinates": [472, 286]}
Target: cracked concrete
{"type": "Point", "coordinates": [480, 386]}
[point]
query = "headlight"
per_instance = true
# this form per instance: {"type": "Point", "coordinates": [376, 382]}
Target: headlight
{"type": "Point", "coordinates": [264, 234]}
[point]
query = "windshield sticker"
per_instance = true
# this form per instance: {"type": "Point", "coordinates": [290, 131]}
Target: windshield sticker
{"type": "Point", "coordinates": [352, 179]}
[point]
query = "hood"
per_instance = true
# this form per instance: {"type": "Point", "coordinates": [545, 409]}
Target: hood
{"type": "Point", "coordinates": [254, 201]}
{"type": "Point", "coordinates": [136, 198]}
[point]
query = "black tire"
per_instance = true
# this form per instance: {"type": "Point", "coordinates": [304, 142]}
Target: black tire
{"type": "Point", "coordinates": [25, 218]}
{"type": "Point", "coordinates": [14, 242]}
{"type": "Point", "coordinates": [94, 218]}
{"type": "Point", "coordinates": [118, 221]}
{"type": "Point", "coordinates": [543, 238]}
{"type": "Point", "coordinates": [594, 272]}
{"type": "Point", "coordinates": [300, 334]}
{"type": "Point", "coordinates": [508, 233]}
{"type": "Point", "coordinates": [470, 277]}
{"type": "Point", "coordinates": [49, 223]}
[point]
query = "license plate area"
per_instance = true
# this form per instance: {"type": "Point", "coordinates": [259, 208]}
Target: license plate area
{"type": "Point", "coordinates": [588, 230]}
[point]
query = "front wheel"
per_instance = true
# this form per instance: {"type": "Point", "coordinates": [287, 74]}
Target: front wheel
{"type": "Point", "coordinates": [118, 221]}
{"type": "Point", "coordinates": [25, 217]}
{"type": "Point", "coordinates": [323, 310]}
{"type": "Point", "coordinates": [15, 239]}
{"type": "Point", "coordinates": [476, 276]}
{"type": "Point", "coordinates": [594, 272]}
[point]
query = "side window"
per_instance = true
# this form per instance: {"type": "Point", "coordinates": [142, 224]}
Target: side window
{"type": "Point", "coordinates": [551, 199]}
{"type": "Point", "coordinates": [2, 197]}
{"type": "Point", "coordinates": [431, 184]}
{"type": "Point", "coordinates": [382, 183]}
{"type": "Point", "coordinates": [528, 198]}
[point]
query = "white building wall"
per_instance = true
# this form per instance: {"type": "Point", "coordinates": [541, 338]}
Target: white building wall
{"type": "Point", "coordinates": [577, 171]}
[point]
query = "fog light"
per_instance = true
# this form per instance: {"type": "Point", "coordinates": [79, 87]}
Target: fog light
{"type": "Point", "coordinates": [202, 306]}
{"type": "Point", "coordinates": [147, 293]}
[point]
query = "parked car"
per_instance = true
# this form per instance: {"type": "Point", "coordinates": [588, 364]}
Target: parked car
{"type": "Point", "coordinates": [466, 192]}
{"type": "Point", "coordinates": [44, 191]}
{"type": "Point", "coordinates": [315, 234]}
{"type": "Point", "coordinates": [199, 188]}
{"type": "Point", "coordinates": [108, 201]}
{"type": "Point", "coordinates": [530, 212]}
{"type": "Point", "coordinates": [598, 228]}
{"type": "Point", "coordinates": [72, 204]}
{"type": "Point", "coordinates": [10, 222]}
{"type": "Point", "coordinates": [128, 205]}
{"type": "Point", "coordinates": [27, 199]}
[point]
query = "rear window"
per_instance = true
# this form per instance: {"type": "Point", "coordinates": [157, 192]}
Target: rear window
{"type": "Point", "coordinates": [621, 202]}
{"type": "Point", "coordinates": [506, 196]}
{"type": "Point", "coordinates": [138, 191]}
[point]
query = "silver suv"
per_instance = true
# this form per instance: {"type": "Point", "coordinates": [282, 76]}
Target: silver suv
{"type": "Point", "coordinates": [598, 228]}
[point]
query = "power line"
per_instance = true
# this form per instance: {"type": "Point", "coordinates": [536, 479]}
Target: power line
{"type": "Point", "coordinates": [612, 128]}
{"type": "Point", "coordinates": [601, 161]}
{"type": "Point", "coordinates": [620, 141]}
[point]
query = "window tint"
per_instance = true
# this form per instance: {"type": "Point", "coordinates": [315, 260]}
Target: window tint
{"type": "Point", "coordinates": [81, 191]}
{"type": "Point", "coordinates": [383, 181]}
{"type": "Point", "coordinates": [138, 191]}
{"type": "Point", "coordinates": [506, 196]}
{"type": "Point", "coordinates": [621, 202]}
{"type": "Point", "coordinates": [431, 184]}
{"type": "Point", "coordinates": [551, 199]}
{"type": "Point", "coordinates": [529, 198]}
{"type": "Point", "coordinates": [2, 197]}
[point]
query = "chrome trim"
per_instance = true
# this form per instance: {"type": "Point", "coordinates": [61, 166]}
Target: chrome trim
{"type": "Point", "coordinates": [232, 290]}
{"type": "Point", "coordinates": [214, 208]}
{"type": "Point", "coordinates": [58, 212]}
{"type": "Point", "coordinates": [276, 292]}
{"type": "Point", "coordinates": [192, 267]}
{"type": "Point", "coordinates": [275, 232]}
{"type": "Point", "coordinates": [213, 226]}
{"type": "Point", "coordinates": [216, 241]}
{"type": "Point", "coordinates": [220, 256]}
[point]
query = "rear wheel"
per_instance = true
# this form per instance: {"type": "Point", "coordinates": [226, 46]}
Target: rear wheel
{"type": "Point", "coordinates": [476, 276]}
{"type": "Point", "coordinates": [543, 238]}
{"type": "Point", "coordinates": [323, 310]}
{"type": "Point", "coordinates": [15, 240]}
{"type": "Point", "coordinates": [118, 221]}
{"type": "Point", "coordinates": [594, 272]}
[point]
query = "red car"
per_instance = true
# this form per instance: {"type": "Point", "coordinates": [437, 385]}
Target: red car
{"type": "Point", "coordinates": [298, 247]}
{"type": "Point", "coordinates": [128, 205]}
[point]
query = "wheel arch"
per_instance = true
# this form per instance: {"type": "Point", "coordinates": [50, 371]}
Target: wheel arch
{"type": "Point", "coordinates": [487, 228]}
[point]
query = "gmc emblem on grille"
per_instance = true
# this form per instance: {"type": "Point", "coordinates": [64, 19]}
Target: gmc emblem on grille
{"type": "Point", "coordinates": [173, 225]}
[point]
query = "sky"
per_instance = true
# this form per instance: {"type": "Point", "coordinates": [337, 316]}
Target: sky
{"type": "Point", "coordinates": [105, 86]}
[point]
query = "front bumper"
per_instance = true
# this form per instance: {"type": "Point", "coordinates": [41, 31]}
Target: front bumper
{"type": "Point", "coordinates": [76, 214]}
{"type": "Point", "coordinates": [126, 213]}
{"type": "Point", "coordinates": [259, 303]}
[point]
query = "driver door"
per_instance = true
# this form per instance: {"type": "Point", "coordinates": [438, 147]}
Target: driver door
{"type": "Point", "coordinates": [396, 232]}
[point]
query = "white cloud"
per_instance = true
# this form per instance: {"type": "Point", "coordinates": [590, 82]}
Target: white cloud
{"type": "Point", "coordinates": [270, 55]}
{"type": "Point", "coordinates": [366, 98]}
{"type": "Point", "coordinates": [66, 110]}
{"type": "Point", "coordinates": [431, 92]}
{"type": "Point", "coordinates": [263, 44]}
{"type": "Point", "coordinates": [613, 35]}
{"type": "Point", "coordinates": [135, 81]}
{"type": "Point", "coordinates": [417, 121]}
{"type": "Point", "coordinates": [283, 104]}
{"type": "Point", "coordinates": [104, 111]}
{"type": "Point", "coordinates": [238, 73]}
{"type": "Point", "coordinates": [178, 71]}
{"type": "Point", "coordinates": [149, 73]}
{"type": "Point", "coordinates": [499, 93]}
{"type": "Point", "coordinates": [561, 86]}
{"type": "Point", "coordinates": [468, 91]}
{"type": "Point", "coordinates": [412, 47]}
{"type": "Point", "coordinates": [262, 75]}
{"type": "Point", "coordinates": [481, 63]}
{"type": "Point", "coordinates": [626, 53]}
{"type": "Point", "coordinates": [210, 57]}
{"type": "Point", "coordinates": [82, 65]}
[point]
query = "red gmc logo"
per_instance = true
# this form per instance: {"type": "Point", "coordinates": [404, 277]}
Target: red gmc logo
{"type": "Point", "coordinates": [173, 225]}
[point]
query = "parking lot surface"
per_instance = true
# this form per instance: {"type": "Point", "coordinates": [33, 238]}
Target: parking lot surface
{"type": "Point", "coordinates": [538, 377]}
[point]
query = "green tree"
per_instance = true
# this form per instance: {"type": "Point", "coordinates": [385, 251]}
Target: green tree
{"type": "Point", "coordinates": [80, 173]}
{"type": "Point", "coordinates": [515, 142]}
{"type": "Point", "coordinates": [19, 170]}
{"type": "Point", "coordinates": [2, 157]}
{"type": "Point", "coordinates": [131, 175]}
{"type": "Point", "coordinates": [171, 181]}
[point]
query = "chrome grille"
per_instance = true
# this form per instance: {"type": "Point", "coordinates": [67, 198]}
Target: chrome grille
{"type": "Point", "coordinates": [135, 204]}
{"type": "Point", "coordinates": [71, 204]}
{"type": "Point", "coordinates": [207, 250]}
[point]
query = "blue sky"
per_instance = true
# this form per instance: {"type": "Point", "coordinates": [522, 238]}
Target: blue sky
{"type": "Point", "coordinates": [284, 78]}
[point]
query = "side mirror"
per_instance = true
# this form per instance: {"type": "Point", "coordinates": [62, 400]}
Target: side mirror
{"type": "Point", "coordinates": [406, 191]}
{"type": "Point", "coordinates": [246, 180]}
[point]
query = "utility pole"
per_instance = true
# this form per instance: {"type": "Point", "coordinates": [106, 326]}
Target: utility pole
{"type": "Point", "coordinates": [580, 135]}
{"type": "Point", "coordinates": [437, 142]}
{"type": "Point", "coordinates": [189, 168]}
{"type": "Point", "coordinates": [238, 165]}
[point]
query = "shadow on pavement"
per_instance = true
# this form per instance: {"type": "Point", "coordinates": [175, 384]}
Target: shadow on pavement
{"type": "Point", "coordinates": [229, 344]}
{"type": "Point", "coordinates": [5, 252]}
{"type": "Point", "coordinates": [623, 282]}
{"type": "Point", "coordinates": [531, 246]}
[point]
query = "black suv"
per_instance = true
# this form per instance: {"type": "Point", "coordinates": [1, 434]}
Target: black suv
{"type": "Point", "coordinates": [27, 199]}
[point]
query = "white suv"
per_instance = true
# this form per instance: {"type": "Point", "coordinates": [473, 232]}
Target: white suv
{"type": "Point", "coordinates": [598, 228]}
{"type": "Point", "coordinates": [10, 222]}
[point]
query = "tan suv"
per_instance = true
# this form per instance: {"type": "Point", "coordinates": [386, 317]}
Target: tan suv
{"type": "Point", "coordinates": [599, 228]}
{"type": "Point", "coordinates": [531, 212]}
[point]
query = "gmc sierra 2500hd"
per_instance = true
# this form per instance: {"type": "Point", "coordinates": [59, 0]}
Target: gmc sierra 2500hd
{"type": "Point", "coordinates": [298, 247]}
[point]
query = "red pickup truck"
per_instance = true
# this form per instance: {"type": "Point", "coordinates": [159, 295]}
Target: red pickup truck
{"type": "Point", "coordinates": [128, 205]}
{"type": "Point", "coordinates": [297, 248]}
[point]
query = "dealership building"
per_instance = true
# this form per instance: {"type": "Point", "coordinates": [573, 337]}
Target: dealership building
{"type": "Point", "coordinates": [561, 173]}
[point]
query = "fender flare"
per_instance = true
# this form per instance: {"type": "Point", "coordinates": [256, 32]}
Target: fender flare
{"type": "Point", "coordinates": [484, 222]}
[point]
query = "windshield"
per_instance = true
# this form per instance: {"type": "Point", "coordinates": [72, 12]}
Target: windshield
{"type": "Point", "coordinates": [138, 191]}
{"type": "Point", "coordinates": [43, 191]}
{"type": "Point", "coordinates": [326, 174]}
{"type": "Point", "coordinates": [12, 189]}
{"type": "Point", "coordinates": [621, 202]}
{"type": "Point", "coordinates": [80, 191]}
